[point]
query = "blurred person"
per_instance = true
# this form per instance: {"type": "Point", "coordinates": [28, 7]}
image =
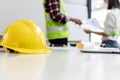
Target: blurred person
{"type": "Point", "coordinates": [112, 25]}
{"type": "Point", "coordinates": [56, 22]}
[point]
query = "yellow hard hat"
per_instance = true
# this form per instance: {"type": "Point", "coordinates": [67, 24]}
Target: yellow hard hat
{"type": "Point", "coordinates": [24, 36]}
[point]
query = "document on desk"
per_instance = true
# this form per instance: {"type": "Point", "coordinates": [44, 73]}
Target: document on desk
{"type": "Point", "coordinates": [92, 24]}
{"type": "Point", "coordinates": [101, 50]}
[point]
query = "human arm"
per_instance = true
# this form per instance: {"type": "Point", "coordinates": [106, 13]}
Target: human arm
{"type": "Point", "coordinates": [53, 7]}
{"type": "Point", "coordinates": [95, 32]}
{"type": "Point", "coordinates": [77, 21]}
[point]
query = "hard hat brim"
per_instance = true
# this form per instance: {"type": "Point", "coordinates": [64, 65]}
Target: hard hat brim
{"type": "Point", "coordinates": [28, 51]}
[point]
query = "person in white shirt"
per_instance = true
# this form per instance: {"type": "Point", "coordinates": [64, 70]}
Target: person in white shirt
{"type": "Point", "coordinates": [112, 25]}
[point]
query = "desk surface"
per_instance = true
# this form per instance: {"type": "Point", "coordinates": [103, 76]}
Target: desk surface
{"type": "Point", "coordinates": [61, 64]}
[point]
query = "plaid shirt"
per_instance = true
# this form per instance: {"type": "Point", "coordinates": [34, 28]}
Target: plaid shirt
{"type": "Point", "coordinates": [53, 7]}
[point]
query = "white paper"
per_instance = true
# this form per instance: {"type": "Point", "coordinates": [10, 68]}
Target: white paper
{"type": "Point", "coordinates": [92, 24]}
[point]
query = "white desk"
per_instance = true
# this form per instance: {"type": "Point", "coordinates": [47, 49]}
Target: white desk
{"type": "Point", "coordinates": [61, 64]}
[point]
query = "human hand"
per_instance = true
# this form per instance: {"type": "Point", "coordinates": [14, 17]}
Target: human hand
{"type": "Point", "coordinates": [77, 21]}
{"type": "Point", "coordinates": [87, 31]}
